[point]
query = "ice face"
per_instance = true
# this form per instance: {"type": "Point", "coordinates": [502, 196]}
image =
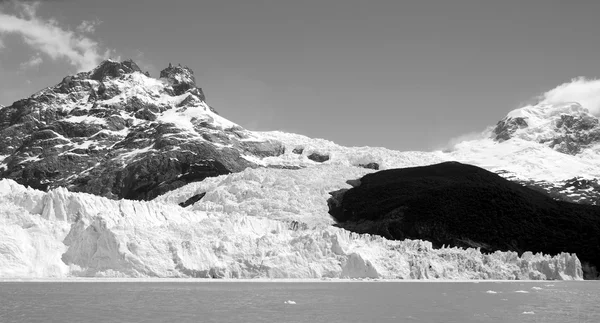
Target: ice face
{"type": "Point", "coordinates": [65, 234]}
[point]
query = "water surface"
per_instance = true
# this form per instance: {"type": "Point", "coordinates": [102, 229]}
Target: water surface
{"type": "Point", "coordinates": [314, 302]}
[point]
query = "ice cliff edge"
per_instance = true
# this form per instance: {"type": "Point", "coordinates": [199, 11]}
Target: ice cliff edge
{"type": "Point", "coordinates": [66, 234]}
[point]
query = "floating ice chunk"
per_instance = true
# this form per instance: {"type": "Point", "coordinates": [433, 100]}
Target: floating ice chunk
{"type": "Point", "coordinates": [530, 312]}
{"type": "Point", "coordinates": [536, 288]}
{"type": "Point", "coordinates": [491, 292]}
{"type": "Point", "coordinates": [290, 302]}
{"type": "Point", "coordinates": [522, 291]}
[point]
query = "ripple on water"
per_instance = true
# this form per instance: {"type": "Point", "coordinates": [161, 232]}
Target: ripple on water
{"type": "Point", "coordinates": [316, 302]}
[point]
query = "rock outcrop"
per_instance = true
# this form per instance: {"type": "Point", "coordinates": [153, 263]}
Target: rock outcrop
{"type": "Point", "coordinates": [318, 157]}
{"type": "Point", "coordinates": [466, 206]}
{"type": "Point", "coordinates": [181, 79]}
{"type": "Point", "coordinates": [118, 133]}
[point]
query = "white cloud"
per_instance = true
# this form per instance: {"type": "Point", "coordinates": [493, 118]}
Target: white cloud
{"type": "Point", "coordinates": [34, 61]}
{"type": "Point", "coordinates": [475, 135]}
{"type": "Point", "coordinates": [581, 90]}
{"type": "Point", "coordinates": [88, 26]}
{"type": "Point", "coordinates": [48, 37]}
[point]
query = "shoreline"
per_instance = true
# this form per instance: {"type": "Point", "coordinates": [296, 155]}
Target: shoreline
{"type": "Point", "coordinates": [263, 280]}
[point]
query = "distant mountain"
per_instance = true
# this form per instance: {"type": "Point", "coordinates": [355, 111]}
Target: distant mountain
{"type": "Point", "coordinates": [116, 132]}
{"type": "Point", "coordinates": [568, 128]}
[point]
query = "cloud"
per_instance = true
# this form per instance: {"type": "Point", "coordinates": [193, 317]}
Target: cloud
{"type": "Point", "coordinates": [450, 145]}
{"type": "Point", "coordinates": [27, 1]}
{"type": "Point", "coordinates": [34, 61]}
{"type": "Point", "coordinates": [48, 37]}
{"type": "Point", "coordinates": [581, 90]}
{"type": "Point", "coordinates": [88, 26]}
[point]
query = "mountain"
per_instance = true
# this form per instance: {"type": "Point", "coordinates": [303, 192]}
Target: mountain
{"type": "Point", "coordinates": [116, 132]}
{"type": "Point", "coordinates": [466, 206]}
{"type": "Point", "coordinates": [568, 127]}
{"type": "Point", "coordinates": [114, 173]}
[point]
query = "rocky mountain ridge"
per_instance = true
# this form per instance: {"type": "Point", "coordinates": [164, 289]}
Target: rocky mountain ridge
{"type": "Point", "coordinates": [116, 132]}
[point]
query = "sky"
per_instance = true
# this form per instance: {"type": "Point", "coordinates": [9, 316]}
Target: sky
{"type": "Point", "coordinates": [406, 75]}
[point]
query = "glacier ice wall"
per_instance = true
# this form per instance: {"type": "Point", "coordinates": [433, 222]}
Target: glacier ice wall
{"type": "Point", "coordinates": [65, 234]}
{"type": "Point", "coordinates": [280, 194]}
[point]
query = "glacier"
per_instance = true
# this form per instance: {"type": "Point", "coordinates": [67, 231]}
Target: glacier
{"type": "Point", "coordinates": [518, 157]}
{"type": "Point", "coordinates": [268, 221]}
{"type": "Point", "coordinates": [242, 229]}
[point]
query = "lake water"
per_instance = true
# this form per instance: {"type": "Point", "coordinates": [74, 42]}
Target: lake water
{"type": "Point", "coordinates": [329, 302]}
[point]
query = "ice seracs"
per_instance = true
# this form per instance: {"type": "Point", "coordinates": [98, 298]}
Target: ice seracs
{"type": "Point", "coordinates": [65, 234]}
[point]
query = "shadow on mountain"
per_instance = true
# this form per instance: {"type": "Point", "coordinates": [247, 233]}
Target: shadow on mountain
{"type": "Point", "coordinates": [462, 205]}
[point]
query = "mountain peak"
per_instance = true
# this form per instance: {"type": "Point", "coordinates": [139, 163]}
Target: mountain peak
{"type": "Point", "coordinates": [566, 127]}
{"type": "Point", "coordinates": [180, 77]}
{"type": "Point", "coordinates": [111, 69]}
{"type": "Point", "coordinates": [116, 132]}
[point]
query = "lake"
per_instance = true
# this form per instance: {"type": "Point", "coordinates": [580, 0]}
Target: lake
{"type": "Point", "coordinates": [346, 301]}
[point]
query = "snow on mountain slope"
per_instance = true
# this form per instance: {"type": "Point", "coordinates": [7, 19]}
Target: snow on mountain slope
{"type": "Point", "coordinates": [518, 158]}
{"type": "Point", "coordinates": [62, 234]}
{"type": "Point", "coordinates": [564, 118]}
{"type": "Point", "coordinates": [565, 127]}
{"type": "Point", "coordinates": [525, 160]}
{"type": "Point", "coordinates": [553, 140]}
{"type": "Point", "coordinates": [116, 132]}
{"type": "Point", "coordinates": [299, 148]}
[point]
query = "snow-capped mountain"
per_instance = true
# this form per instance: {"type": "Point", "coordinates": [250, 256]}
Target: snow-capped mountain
{"type": "Point", "coordinates": [568, 128]}
{"type": "Point", "coordinates": [256, 202]}
{"type": "Point", "coordinates": [116, 132]}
